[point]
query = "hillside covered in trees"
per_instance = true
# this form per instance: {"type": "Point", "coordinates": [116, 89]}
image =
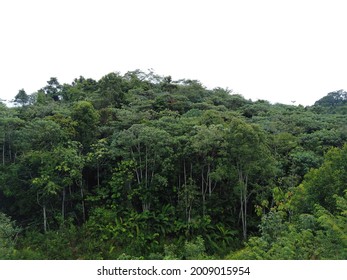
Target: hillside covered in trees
{"type": "Point", "coordinates": [138, 166]}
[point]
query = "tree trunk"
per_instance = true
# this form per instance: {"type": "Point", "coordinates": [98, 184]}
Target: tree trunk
{"type": "Point", "coordinates": [146, 206]}
{"type": "Point", "coordinates": [185, 173]}
{"type": "Point", "coordinates": [63, 205]}
{"type": "Point", "coordinates": [3, 153]}
{"type": "Point", "coordinates": [146, 168]}
{"type": "Point", "coordinates": [98, 173]}
{"type": "Point", "coordinates": [44, 218]}
{"type": "Point", "coordinates": [203, 193]}
{"type": "Point", "coordinates": [189, 213]}
{"type": "Point", "coordinates": [243, 181]}
{"type": "Point", "coordinates": [209, 180]}
{"type": "Point", "coordinates": [82, 203]}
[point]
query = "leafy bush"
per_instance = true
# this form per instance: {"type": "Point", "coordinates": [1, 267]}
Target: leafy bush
{"type": "Point", "coordinates": [8, 234]}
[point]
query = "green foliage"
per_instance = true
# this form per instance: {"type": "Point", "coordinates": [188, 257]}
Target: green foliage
{"type": "Point", "coordinates": [8, 235]}
{"type": "Point", "coordinates": [195, 250]}
{"type": "Point", "coordinates": [21, 98]}
{"type": "Point", "coordinates": [86, 118]}
{"type": "Point", "coordinates": [334, 235]}
{"type": "Point", "coordinates": [319, 236]}
{"type": "Point", "coordinates": [312, 223]}
{"type": "Point", "coordinates": [111, 89]}
{"type": "Point", "coordinates": [139, 166]}
{"type": "Point", "coordinates": [333, 99]}
{"type": "Point", "coordinates": [53, 89]}
{"type": "Point", "coordinates": [320, 185]}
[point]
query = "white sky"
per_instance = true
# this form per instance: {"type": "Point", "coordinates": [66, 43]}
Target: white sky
{"type": "Point", "coordinates": [275, 50]}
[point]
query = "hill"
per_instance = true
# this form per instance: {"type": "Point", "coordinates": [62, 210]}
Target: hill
{"type": "Point", "coordinates": [138, 166]}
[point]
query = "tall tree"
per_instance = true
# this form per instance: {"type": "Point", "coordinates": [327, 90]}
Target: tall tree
{"type": "Point", "coordinates": [111, 90]}
{"type": "Point", "coordinates": [150, 148]}
{"type": "Point", "coordinates": [53, 89]}
{"type": "Point", "coordinates": [206, 144]}
{"type": "Point", "coordinates": [249, 162]}
{"type": "Point", "coordinates": [86, 118]}
{"type": "Point", "coordinates": [21, 98]}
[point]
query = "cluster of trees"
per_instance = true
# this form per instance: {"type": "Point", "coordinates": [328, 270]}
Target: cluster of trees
{"type": "Point", "coordinates": [138, 166]}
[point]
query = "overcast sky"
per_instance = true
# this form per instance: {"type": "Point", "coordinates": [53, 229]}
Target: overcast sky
{"type": "Point", "coordinates": [280, 51]}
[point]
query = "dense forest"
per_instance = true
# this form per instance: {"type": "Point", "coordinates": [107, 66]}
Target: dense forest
{"type": "Point", "coordinates": [138, 166]}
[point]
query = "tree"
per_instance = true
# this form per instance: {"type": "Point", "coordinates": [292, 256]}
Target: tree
{"type": "Point", "coordinates": [46, 190]}
{"type": "Point", "coordinates": [8, 235]}
{"type": "Point", "coordinates": [41, 134]}
{"type": "Point", "coordinates": [69, 164]}
{"type": "Point", "coordinates": [249, 162]}
{"type": "Point", "coordinates": [333, 99]}
{"type": "Point", "coordinates": [9, 125]}
{"type": "Point", "coordinates": [97, 155]}
{"type": "Point", "coordinates": [321, 184]}
{"type": "Point", "coordinates": [53, 89]}
{"type": "Point", "coordinates": [80, 89]}
{"type": "Point", "coordinates": [21, 98]}
{"type": "Point", "coordinates": [320, 235]}
{"type": "Point", "coordinates": [206, 145]}
{"type": "Point", "coordinates": [86, 118]}
{"type": "Point", "coordinates": [111, 90]}
{"type": "Point", "coordinates": [150, 149]}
